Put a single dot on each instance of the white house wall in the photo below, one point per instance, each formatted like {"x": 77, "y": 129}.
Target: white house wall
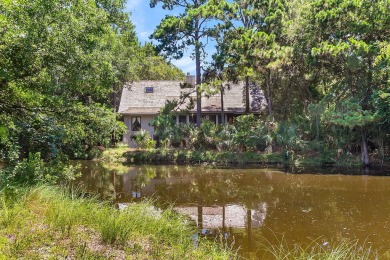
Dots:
{"x": 145, "y": 120}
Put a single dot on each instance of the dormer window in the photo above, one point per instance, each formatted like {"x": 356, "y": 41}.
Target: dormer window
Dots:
{"x": 149, "y": 90}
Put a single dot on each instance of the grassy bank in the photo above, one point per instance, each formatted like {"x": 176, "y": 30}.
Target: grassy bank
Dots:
{"x": 181, "y": 156}
{"x": 47, "y": 222}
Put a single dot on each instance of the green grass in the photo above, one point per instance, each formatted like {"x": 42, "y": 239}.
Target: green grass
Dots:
{"x": 351, "y": 250}
{"x": 50, "y": 222}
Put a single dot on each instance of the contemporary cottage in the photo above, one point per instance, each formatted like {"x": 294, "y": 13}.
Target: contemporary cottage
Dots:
{"x": 141, "y": 101}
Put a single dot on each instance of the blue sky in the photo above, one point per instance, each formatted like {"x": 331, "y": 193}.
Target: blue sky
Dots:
{"x": 146, "y": 20}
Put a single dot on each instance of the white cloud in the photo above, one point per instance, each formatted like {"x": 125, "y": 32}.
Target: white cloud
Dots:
{"x": 133, "y": 3}
{"x": 144, "y": 36}
{"x": 186, "y": 64}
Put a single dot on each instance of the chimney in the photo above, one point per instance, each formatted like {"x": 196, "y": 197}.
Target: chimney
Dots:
{"x": 190, "y": 79}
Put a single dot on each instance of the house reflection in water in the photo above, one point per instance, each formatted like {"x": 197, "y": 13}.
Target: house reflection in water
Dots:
{"x": 228, "y": 216}
{"x": 227, "y": 220}
{"x": 221, "y": 204}
{"x": 213, "y": 213}
{"x": 207, "y": 216}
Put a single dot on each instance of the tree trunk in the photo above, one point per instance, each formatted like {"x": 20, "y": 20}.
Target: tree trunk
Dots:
{"x": 200, "y": 217}
{"x": 114, "y": 107}
{"x": 114, "y": 98}
{"x": 317, "y": 128}
{"x": 198, "y": 75}
{"x": 287, "y": 105}
{"x": 247, "y": 107}
{"x": 269, "y": 96}
{"x": 222, "y": 108}
{"x": 365, "y": 156}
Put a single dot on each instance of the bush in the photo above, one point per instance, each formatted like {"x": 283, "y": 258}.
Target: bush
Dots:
{"x": 251, "y": 133}
{"x": 33, "y": 170}
{"x": 225, "y": 138}
{"x": 289, "y": 136}
{"x": 143, "y": 140}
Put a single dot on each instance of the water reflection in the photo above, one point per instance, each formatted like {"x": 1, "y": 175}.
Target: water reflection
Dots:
{"x": 222, "y": 220}
{"x": 250, "y": 206}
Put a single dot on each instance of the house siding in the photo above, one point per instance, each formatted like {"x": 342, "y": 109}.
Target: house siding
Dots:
{"x": 145, "y": 120}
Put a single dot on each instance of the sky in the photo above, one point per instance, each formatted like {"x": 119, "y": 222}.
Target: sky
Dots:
{"x": 146, "y": 20}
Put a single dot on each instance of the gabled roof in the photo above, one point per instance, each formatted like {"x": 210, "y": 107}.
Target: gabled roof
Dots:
{"x": 135, "y": 100}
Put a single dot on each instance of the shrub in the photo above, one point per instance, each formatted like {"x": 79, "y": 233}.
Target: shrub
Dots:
{"x": 143, "y": 140}
{"x": 251, "y": 133}
{"x": 33, "y": 170}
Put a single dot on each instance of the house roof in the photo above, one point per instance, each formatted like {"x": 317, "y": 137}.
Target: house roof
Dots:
{"x": 135, "y": 100}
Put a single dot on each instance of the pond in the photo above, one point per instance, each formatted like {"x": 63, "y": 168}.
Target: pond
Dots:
{"x": 252, "y": 207}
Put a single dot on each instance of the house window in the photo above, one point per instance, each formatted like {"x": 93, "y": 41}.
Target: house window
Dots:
{"x": 149, "y": 90}
{"x": 219, "y": 119}
{"x": 193, "y": 119}
{"x": 231, "y": 119}
{"x": 136, "y": 123}
{"x": 182, "y": 119}
{"x": 213, "y": 119}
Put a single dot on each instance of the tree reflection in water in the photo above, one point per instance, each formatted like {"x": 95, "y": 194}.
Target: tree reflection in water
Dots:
{"x": 250, "y": 206}
{"x": 221, "y": 204}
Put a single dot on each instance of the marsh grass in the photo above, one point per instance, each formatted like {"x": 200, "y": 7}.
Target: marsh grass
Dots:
{"x": 5, "y": 213}
{"x": 344, "y": 249}
{"x": 52, "y": 222}
{"x": 113, "y": 226}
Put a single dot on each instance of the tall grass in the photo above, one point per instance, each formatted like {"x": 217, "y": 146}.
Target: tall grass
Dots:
{"x": 113, "y": 226}
{"x": 344, "y": 249}
{"x": 58, "y": 223}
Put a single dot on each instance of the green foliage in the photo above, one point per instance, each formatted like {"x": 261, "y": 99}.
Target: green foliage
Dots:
{"x": 9, "y": 148}
{"x": 348, "y": 113}
{"x": 164, "y": 123}
{"x": 225, "y": 138}
{"x": 289, "y": 136}
{"x": 381, "y": 100}
{"x": 154, "y": 67}
{"x": 175, "y": 33}
{"x": 61, "y": 62}
{"x": 143, "y": 140}
{"x": 248, "y": 132}
{"x": 30, "y": 170}
{"x": 33, "y": 170}
{"x": 252, "y": 133}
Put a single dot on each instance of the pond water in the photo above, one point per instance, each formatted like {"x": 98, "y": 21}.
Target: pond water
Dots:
{"x": 251, "y": 207}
